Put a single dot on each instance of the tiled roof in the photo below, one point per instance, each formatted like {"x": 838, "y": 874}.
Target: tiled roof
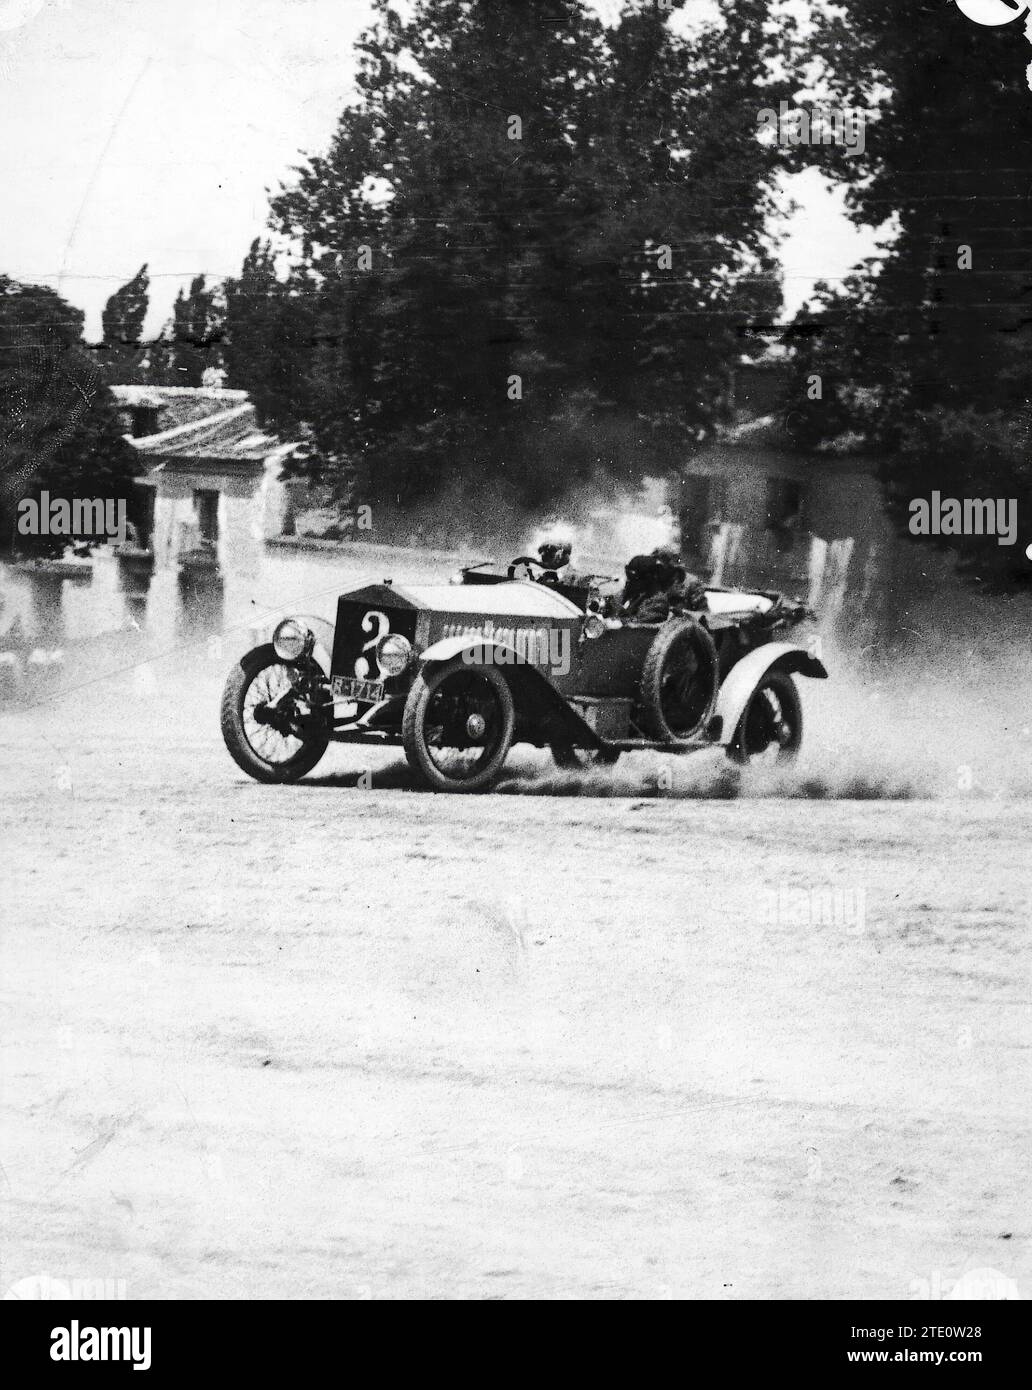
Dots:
{"x": 230, "y": 436}
{"x": 203, "y": 424}
{"x": 178, "y": 405}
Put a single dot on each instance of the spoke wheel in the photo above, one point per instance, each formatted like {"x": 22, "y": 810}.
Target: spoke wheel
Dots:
{"x": 260, "y": 720}
{"x": 771, "y": 729}
{"x": 457, "y": 727}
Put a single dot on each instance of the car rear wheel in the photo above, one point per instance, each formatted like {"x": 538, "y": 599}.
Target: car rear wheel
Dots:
{"x": 259, "y": 720}
{"x": 678, "y": 681}
{"x": 457, "y": 727}
{"x": 771, "y": 729}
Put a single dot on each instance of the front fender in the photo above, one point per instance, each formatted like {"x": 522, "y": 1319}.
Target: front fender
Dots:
{"x": 541, "y": 709}
{"x": 450, "y": 647}
{"x": 745, "y": 676}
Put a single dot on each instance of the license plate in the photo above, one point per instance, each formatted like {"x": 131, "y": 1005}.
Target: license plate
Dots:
{"x": 350, "y": 688}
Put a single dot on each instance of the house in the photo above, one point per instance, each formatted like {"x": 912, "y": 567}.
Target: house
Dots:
{"x": 209, "y": 489}
{"x": 755, "y": 511}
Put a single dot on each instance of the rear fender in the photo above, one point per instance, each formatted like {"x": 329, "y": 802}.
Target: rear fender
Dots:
{"x": 745, "y": 676}
{"x": 541, "y": 709}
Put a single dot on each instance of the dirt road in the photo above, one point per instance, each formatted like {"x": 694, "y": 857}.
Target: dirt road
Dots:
{"x": 324, "y": 1041}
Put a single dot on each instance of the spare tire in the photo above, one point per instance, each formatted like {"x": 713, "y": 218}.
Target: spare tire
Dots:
{"x": 678, "y": 682}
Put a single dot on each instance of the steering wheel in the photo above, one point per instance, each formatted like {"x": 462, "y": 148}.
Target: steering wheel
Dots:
{"x": 526, "y": 561}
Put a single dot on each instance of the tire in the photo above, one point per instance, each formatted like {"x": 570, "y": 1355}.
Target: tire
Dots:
{"x": 271, "y": 759}
{"x": 774, "y": 702}
{"x": 441, "y": 704}
{"x": 678, "y": 682}
{"x": 572, "y": 759}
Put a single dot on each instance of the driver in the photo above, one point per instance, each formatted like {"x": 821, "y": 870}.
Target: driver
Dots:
{"x": 555, "y": 557}
{"x": 658, "y": 587}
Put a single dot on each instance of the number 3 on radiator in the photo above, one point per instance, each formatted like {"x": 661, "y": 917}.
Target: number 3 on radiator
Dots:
{"x": 379, "y": 625}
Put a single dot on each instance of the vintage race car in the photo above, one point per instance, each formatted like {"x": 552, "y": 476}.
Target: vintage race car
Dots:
{"x": 457, "y": 673}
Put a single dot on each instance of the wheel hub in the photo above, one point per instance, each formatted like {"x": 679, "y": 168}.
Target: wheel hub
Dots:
{"x": 476, "y": 726}
{"x": 274, "y": 717}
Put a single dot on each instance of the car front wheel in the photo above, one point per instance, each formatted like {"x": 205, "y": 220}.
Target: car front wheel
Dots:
{"x": 261, "y": 720}
{"x": 457, "y": 727}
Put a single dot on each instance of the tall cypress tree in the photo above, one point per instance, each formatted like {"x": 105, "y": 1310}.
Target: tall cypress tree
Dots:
{"x": 193, "y": 341}
{"x": 122, "y": 321}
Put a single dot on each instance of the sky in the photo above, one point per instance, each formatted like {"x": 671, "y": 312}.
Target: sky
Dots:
{"x": 152, "y": 130}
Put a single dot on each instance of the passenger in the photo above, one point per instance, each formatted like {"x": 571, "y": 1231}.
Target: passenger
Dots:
{"x": 659, "y": 587}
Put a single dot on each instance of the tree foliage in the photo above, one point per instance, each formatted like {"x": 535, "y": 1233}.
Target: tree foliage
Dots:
{"x": 59, "y": 429}
{"x": 270, "y": 339}
{"x": 526, "y": 257}
{"x": 925, "y": 355}
{"x": 193, "y": 341}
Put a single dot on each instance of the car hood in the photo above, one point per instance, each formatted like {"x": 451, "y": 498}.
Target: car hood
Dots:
{"x": 517, "y": 598}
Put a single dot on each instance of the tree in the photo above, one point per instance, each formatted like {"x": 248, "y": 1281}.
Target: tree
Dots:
{"x": 526, "y": 259}
{"x": 270, "y": 333}
{"x": 925, "y": 356}
{"x": 122, "y": 320}
{"x": 59, "y": 429}
{"x": 193, "y": 341}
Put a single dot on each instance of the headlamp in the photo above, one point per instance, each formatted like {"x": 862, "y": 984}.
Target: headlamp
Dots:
{"x": 393, "y": 654}
{"x": 290, "y": 640}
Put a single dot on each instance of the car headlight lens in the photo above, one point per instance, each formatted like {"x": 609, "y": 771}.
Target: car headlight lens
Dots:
{"x": 393, "y": 654}
{"x": 290, "y": 639}
{"x": 594, "y": 625}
